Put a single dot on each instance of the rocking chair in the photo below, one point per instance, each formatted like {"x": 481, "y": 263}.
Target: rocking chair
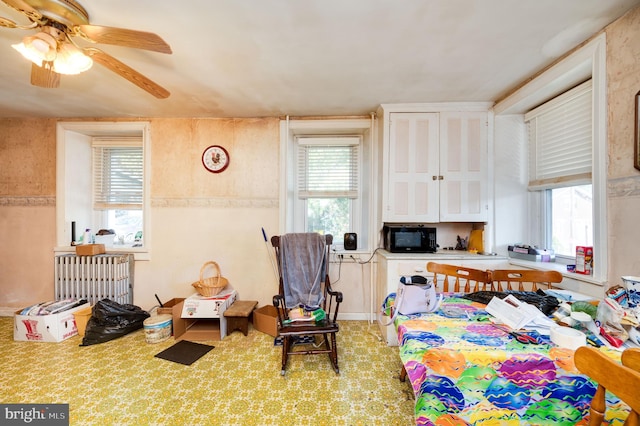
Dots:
{"x": 304, "y": 287}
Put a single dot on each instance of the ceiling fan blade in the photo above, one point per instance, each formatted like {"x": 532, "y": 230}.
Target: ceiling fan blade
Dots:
{"x": 23, "y": 7}
{"x": 8, "y": 23}
{"x": 44, "y": 76}
{"x": 127, "y": 72}
{"x": 123, "y": 37}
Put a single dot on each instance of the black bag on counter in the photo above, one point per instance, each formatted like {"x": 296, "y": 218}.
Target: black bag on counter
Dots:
{"x": 110, "y": 320}
{"x": 545, "y": 303}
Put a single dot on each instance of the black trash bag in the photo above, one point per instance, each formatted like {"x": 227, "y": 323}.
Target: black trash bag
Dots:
{"x": 110, "y": 320}
{"x": 545, "y": 303}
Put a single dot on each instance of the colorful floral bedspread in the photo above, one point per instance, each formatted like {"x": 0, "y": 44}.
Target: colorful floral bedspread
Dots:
{"x": 465, "y": 371}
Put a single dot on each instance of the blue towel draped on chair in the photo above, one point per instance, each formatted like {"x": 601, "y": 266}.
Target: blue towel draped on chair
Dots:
{"x": 303, "y": 268}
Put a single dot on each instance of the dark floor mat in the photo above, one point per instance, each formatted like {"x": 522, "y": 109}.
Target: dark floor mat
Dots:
{"x": 185, "y": 352}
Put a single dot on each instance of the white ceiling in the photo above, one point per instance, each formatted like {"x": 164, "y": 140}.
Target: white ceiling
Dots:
{"x": 256, "y": 58}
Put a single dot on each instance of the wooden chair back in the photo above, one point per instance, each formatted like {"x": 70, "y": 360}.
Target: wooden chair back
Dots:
{"x": 631, "y": 358}
{"x": 611, "y": 376}
{"x": 467, "y": 279}
{"x": 515, "y": 279}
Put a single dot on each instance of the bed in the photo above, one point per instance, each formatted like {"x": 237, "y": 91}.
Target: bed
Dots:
{"x": 463, "y": 370}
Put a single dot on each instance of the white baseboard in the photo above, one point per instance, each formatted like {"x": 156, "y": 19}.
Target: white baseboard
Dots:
{"x": 356, "y": 316}
{"x": 7, "y": 312}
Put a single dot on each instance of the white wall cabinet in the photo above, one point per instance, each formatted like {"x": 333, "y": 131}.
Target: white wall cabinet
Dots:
{"x": 463, "y": 167}
{"x": 434, "y": 165}
{"x": 413, "y": 161}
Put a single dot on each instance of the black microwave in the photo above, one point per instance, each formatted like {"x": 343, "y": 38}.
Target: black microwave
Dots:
{"x": 409, "y": 239}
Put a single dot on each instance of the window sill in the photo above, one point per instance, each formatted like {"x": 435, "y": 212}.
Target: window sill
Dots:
{"x": 562, "y": 268}
{"x": 139, "y": 253}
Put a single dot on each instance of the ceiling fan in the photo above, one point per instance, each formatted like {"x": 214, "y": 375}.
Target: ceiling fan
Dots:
{"x": 53, "y": 50}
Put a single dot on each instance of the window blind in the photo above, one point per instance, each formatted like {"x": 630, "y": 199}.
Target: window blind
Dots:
{"x": 328, "y": 167}
{"x": 560, "y": 140}
{"x": 118, "y": 173}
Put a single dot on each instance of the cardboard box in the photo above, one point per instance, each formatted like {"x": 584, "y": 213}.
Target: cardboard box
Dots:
{"x": 90, "y": 249}
{"x": 46, "y": 328}
{"x": 171, "y": 306}
{"x": 197, "y": 329}
{"x": 584, "y": 260}
{"x": 196, "y": 306}
{"x": 265, "y": 319}
{"x": 174, "y": 308}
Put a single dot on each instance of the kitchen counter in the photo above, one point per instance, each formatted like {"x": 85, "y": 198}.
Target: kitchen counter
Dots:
{"x": 440, "y": 255}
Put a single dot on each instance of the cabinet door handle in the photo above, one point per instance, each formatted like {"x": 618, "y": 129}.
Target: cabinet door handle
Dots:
{"x": 434, "y": 177}
{"x": 440, "y": 177}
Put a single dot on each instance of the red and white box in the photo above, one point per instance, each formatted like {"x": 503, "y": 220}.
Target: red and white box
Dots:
{"x": 46, "y": 328}
{"x": 197, "y": 306}
{"x": 584, "y": 260}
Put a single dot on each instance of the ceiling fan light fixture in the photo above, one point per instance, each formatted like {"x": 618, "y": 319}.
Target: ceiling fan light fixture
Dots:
{"x": 71, "y": 60}
{"x": 38, "y": 48}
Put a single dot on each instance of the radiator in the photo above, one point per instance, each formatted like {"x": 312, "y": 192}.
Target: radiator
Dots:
{"x": 103, "y": 276}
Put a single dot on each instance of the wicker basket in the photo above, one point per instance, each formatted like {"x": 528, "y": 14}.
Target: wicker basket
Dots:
{"x": 208, "y": 287}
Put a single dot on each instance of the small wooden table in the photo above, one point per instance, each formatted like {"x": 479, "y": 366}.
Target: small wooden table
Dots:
{"x": 238, "y": 314}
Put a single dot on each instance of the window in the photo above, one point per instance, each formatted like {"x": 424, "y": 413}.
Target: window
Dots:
{"x": 571, "y": 218}
{"x": 522, "y": 215}
{"x": 328, "y": 183}
{"x": 102, "y": 175}
{"x": 560, "y": 156}
{"x": 118, "y": 186}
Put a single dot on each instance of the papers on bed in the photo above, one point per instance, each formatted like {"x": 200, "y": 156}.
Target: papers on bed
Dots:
{"x": 517, "y": 314}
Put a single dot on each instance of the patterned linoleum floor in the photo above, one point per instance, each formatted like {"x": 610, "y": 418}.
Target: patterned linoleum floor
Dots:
{"x": 237, "y": 383}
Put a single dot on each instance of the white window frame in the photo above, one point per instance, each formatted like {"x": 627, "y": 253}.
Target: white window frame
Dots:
{"x": 293, "y": 209}
{"x": 74, "y": 177}
{"x": 557, "y": 157}
{"x": 301, "y": 198}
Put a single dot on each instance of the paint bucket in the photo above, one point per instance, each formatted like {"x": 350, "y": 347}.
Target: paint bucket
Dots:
{"x": 157, "y": 328}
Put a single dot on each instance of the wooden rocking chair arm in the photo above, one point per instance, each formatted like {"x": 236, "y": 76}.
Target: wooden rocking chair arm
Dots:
{"x": 278, "y": 302}
{"x": 332, "y": 304}
{"x": 336, "y": 294}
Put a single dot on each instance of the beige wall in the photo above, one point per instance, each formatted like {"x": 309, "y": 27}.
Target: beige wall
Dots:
{"x": 196, "y": 216}
{"x": 27, "y": 210}
{"x": 199, "y": 216}
{"x": 623, "y": 186}
{"x": 623, "y": 192}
